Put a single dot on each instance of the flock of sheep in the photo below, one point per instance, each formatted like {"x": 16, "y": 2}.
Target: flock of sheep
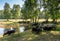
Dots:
{"x": 41, "y": 27}
{"x": 36, "y": 27}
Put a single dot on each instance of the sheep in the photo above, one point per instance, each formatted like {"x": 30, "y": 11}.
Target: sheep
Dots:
{"x": 9, "y": 32}
{"x": 34, "y": 24}
{"x": 37, "y": 29}
{"x": 49, "y": 28}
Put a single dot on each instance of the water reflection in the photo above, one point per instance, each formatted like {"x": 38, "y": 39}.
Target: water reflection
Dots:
{"x": 22, "y": 29}
{"x": 2, "y": 29}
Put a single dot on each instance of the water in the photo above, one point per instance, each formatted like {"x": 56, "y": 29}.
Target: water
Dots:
{"x": 22, "y": 29}
{"x": 2, "y": 29}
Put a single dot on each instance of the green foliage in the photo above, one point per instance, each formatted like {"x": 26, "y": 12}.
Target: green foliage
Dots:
{"x": 7, "y": 13}
{"x": 25, "y": 14}
{"x": 52, "y": 7}
{"x": 30, "y": 9}
{"x": 15, "y": 11}
{"x": 1, "y": 14}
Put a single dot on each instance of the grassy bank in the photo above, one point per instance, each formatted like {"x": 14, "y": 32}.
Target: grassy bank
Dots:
{"x": 29, "y": 36}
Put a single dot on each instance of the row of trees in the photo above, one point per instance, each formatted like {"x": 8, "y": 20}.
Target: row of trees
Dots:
{"x": 32, "y": 9}
{"x": 52, "y": 7}
{"x": 9, "y": 13}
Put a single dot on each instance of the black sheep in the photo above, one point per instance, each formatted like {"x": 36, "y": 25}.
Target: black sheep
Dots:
{"x": 48, "y": 28}
{"x": 37, "y": 29}
{"x": 33, "y": 29}
{"x": 34, "y": 24}
{"x": 9, "y": 32}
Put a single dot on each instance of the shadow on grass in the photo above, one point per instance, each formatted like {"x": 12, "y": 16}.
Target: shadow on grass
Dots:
{"x": 48, "y": 36}
{"x": 29, "y": 36}
{"x": 11, "y": 37}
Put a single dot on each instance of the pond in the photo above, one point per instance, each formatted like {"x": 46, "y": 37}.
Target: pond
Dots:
{"x": 2, "y": 29}
{"x": 22, "y": 29}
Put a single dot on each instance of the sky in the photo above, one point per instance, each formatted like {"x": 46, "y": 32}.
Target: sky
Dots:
{"x": 11, "y": 3}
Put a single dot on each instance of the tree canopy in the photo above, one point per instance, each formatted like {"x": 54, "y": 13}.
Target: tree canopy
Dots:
{"x": 7, "y": 13}
{"x": 32, "y": 10}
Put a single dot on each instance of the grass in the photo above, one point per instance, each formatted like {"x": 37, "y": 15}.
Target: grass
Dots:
{"x": 58, "y": 28}
{"x": 29, "y": 36}
{"x": 7, "y": 22}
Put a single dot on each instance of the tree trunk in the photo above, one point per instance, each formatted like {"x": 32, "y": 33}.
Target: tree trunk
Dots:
{"x": 53, "y": 20}
{"x": 7, "y": 19}
{"x": 46, "y": 20}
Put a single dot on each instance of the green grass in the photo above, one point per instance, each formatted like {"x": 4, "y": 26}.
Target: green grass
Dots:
{"x": 58, "y": 28}
{"x": 29, "y": 36}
